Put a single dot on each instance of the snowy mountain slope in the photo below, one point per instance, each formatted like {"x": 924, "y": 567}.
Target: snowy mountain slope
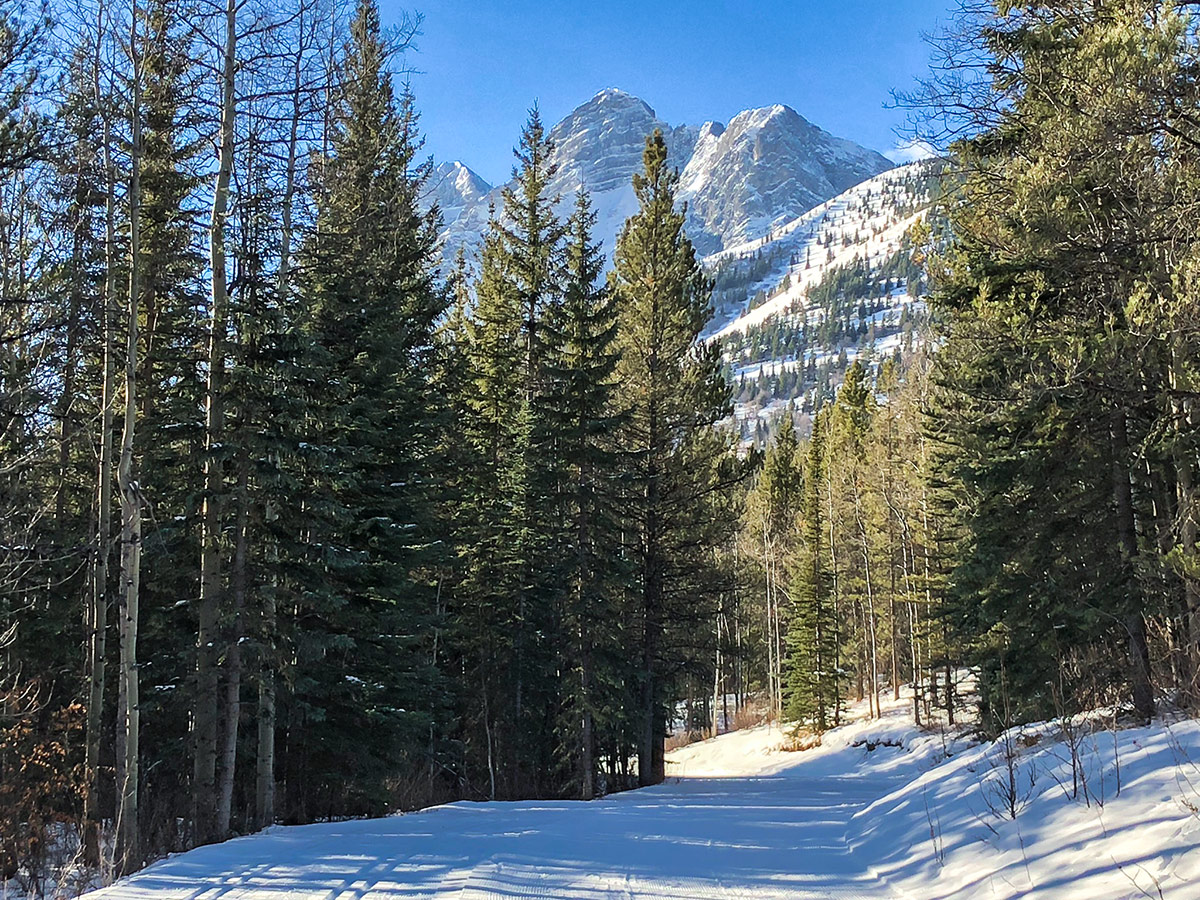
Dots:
{"x": 768, "y": 167}
{"x": 794, "y": 308}
{"x": 868, "y": 221}
{"x": 919, "y": 817}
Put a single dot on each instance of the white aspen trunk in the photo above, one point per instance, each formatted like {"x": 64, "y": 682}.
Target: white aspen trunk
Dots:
{"x": 233, "y": 661}
{"x": 98, "y": 613}
{"x": 835, "y": 590}
{"x": 869, "y": 619}
{"x": 908, "y": 561}
{"x": 128, "y": 850}
{"x": 893, "y": 620}
{"x": 770, "y": 629}
{"x": 1186, "y": 497}
{"x": 716, "y": 707}
{"x": 205, "y": 714}
{"x": 893, "y": 520}
{"x": 928, "y": 569}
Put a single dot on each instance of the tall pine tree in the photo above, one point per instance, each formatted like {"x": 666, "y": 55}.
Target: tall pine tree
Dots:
{"x": 812, "y": 683}
{"x": 584, "y": 416}
{"x": 679, "y": 461}
{"x": 364, "y": 686}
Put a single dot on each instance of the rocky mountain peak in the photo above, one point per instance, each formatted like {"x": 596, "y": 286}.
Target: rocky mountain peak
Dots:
{"x": 599, "y": 144}
{"x": 455, "y": 189}
{"x": 768, "y": 166}
{"x": 753, "y": 175}
{"x": 615, "y": 101}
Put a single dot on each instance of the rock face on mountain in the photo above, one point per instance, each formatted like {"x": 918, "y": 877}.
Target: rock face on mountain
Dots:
{"x": 766, "y": 168}
{"x": 762, "y": 170}
{"x": 455, "y": 189}
{"x": 599, "y": 145}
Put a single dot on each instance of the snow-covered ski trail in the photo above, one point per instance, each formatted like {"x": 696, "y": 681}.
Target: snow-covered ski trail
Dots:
{"x": 881, "y": 811}
{"x": 776, "y": 835}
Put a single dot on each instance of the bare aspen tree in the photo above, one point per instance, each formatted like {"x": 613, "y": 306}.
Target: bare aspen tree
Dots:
{"x": 209, "y": 606}
{"x": 299, "y": 103}
{"x": 128, "y": 851}
{"x": 233, "y": 659}
{"x": 210, "y": 811}
{"x": 99, "y": 604}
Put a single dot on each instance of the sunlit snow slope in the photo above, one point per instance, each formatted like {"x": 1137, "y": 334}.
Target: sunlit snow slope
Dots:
{"x": 796, "y": 307}
{"x": 869, "y": 222}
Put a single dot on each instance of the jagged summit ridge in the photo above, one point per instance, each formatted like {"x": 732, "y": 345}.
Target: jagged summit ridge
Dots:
{"x": 599, "y": 144}
{"x": 455, "y": 189}
{"x": 767, "y": 167}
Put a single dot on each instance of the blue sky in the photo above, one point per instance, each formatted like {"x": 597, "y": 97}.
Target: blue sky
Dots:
{"x": 482, "y": 63}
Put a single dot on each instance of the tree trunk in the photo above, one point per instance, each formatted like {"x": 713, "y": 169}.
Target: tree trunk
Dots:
{"x": 869, "y": 617}
{"x": 1186, "y": 499}
{"x": 768, "y": 579}
{"x": 587, "y": 735}
{"x": 264, "y": 768}
{"x": 651, "y": 766}
{"x": 98, "y": 614}
{"x": 207, "y": 677}
{"x": 233, "y": 659}
{"x": 834, "y": 593}
{"x": 948, "y": 672}
{"x": 128, "y": 850}
{"x": 716, "y": 706}
{"x": 1191, "y": 586}
{"x": 1135, "y": 624}
{"x": 894, "y": 624}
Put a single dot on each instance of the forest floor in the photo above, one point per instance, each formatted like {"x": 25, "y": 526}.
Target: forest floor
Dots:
{"x": 923, "y": 815}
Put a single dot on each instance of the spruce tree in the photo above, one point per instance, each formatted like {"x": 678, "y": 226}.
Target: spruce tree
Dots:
{"x": 510, "y": 584}
{"x": 363, "y": 683}
{"x": 583, "y": 415}
{"x": 169, "y": 451}
{"x": 680, "y": 465}
{"x": 812, "y": 688}
{"x": 1068, "y": 255}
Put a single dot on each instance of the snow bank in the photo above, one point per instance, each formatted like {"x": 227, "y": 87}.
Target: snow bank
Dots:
{"x": 749, "y": 752}
{"x": 1117, "y": 817}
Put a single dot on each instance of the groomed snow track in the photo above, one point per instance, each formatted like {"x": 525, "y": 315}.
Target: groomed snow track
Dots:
{"x": 771, "y": 836}
{"x": 881, "y": 811}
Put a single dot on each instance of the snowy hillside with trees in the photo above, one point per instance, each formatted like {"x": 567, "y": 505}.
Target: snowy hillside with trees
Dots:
{"x": 793, "y": 309}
